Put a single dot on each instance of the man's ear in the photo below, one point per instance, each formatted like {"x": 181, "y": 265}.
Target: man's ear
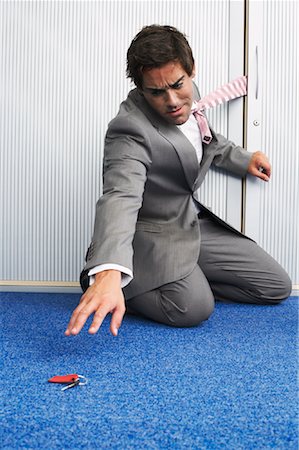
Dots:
{"x": 193, "y": 72}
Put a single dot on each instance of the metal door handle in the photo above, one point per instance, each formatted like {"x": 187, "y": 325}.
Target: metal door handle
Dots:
{"x": 257, "y": 73}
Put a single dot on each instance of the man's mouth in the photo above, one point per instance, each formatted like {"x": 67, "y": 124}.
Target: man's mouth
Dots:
{"x": 175, "y": 112}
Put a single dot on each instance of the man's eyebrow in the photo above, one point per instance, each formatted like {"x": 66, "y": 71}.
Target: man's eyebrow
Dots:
{"x": 156, "y": 89}
{"x": 177, "y": 82}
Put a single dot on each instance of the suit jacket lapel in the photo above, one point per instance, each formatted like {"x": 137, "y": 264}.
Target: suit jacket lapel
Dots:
{"x": 209, "y": 151}
{"x": 206, "y": 161}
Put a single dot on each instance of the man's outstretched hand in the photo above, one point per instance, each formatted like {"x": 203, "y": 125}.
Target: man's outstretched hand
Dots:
{"x": 259, "y": 166}
{"x": 101, "y": 298}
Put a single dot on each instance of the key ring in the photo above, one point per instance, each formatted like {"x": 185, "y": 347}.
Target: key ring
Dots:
{"x": 82, "y": 383}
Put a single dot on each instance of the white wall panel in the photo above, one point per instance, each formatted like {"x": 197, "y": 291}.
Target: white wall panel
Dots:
{"x": 62, "y": 69}
{"x": 272, "y": 209}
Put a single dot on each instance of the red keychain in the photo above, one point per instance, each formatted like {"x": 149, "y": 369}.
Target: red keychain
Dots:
{"x": 70, "y": 380}
{"x": 64, "y": 379}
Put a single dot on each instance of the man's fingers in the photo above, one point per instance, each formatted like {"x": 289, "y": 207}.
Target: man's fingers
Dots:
{"x": 84, "y": 310}
{"x": 73, "y": 318}
{"x": 79, "y": 316}
{"x": 98, "y": 318}
{"x": 116, "y": 320}
{"x": 259, "y": 166}
{"x": 80, "y": 321}
{"x": 71, "y": 323}
{"x": 262, "y": 173}
{"x": 265, "y": 169}
{"x": 77, "y": 322}
{"x": 104, "y": 296}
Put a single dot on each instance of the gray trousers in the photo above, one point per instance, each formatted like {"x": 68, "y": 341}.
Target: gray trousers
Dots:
{"x": 230, "y": 268}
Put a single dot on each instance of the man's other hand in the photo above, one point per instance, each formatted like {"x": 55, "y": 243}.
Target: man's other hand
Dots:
{"x": 259, "y": 166}
{"x": 101, "y": 298}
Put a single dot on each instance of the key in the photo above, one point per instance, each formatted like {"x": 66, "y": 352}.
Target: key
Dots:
{"x": 71, "y": 385}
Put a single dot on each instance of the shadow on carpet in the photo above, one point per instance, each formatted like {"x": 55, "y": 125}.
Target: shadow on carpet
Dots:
{"x": 227, "y": 384}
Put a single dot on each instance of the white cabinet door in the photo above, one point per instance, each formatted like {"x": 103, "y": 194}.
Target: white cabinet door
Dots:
{"x": 224, "y": 47}
{"x": 271, "y": 209}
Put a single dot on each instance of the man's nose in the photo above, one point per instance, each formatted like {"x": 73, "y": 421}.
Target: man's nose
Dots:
{"x": 171, "y": 99}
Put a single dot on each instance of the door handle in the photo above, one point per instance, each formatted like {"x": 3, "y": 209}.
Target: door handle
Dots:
{"x": 257, "y": 73}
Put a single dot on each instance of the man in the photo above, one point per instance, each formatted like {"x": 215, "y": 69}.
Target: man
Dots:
{"x": 155, "y": 248}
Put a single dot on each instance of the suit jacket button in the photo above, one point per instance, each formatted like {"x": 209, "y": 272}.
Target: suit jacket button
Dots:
{"x": 193, "y": 223}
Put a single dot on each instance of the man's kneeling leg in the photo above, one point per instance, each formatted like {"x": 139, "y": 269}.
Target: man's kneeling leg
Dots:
{"x": 183, "y": 303}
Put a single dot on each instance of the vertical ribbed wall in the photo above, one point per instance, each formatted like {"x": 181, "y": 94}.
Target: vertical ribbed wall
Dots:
{"x": 272, "y": 208}
{"x": 62, "y": 68}
{"x": 279, "y": 230}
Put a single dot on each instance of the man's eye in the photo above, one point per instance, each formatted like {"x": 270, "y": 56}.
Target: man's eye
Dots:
{"x": 178, "y": 86}
{"x": 156, "y": 93}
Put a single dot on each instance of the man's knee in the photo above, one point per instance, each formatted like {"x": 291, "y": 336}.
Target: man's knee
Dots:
{"x": 278, "y": 291}
{"x": 187, "y": 311}
{"x": 183, "y": 303}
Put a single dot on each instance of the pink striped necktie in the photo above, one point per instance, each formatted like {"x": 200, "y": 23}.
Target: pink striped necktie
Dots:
{"x": 234, "y": 89}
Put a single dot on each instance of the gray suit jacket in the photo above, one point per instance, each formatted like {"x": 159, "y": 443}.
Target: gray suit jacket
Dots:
{"x": 145, "y": 219}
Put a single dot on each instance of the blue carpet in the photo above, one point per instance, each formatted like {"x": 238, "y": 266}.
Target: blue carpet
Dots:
{"x": 227, "y": 384}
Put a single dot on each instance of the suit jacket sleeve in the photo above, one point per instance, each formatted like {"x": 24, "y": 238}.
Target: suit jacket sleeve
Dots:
{"x": 229, "y": 156}
{"x": 126, "y": 162}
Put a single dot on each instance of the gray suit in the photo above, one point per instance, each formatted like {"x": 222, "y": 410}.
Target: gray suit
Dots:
{"x": 146, "y": 219}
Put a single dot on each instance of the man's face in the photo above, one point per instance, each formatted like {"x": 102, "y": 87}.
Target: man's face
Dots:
{"x": 169, "y": 91}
